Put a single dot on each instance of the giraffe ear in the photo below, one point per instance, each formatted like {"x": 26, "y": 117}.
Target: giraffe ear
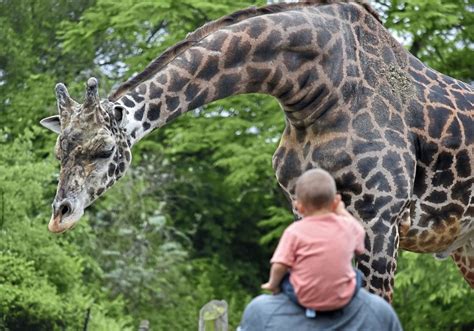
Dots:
{"x": 52, "y": 123}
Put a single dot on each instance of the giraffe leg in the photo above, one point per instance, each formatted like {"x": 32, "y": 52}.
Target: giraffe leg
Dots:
{"x": 464, "y": 258}
{"x": 379, "y": 262}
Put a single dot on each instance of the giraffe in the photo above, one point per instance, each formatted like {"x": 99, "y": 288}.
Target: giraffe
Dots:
{"x": 397, "y": 136}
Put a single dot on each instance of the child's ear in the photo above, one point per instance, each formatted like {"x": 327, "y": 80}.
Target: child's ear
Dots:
{"x": 337, "y": 200}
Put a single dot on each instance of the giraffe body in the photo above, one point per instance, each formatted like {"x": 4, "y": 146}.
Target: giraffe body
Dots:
{"x": 396, "y": 135}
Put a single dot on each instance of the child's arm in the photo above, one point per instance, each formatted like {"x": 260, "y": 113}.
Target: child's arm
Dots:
{"x": 277, "y": 272}
{"x": 359, "y": 230}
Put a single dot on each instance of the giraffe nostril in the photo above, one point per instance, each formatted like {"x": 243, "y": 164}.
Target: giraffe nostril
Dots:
{"x": 65, "y": 209}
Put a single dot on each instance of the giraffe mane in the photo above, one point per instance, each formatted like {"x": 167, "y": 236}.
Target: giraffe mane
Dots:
{"x": 194, "y": 37}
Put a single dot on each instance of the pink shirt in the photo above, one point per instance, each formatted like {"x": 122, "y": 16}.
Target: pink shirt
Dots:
{"x": 319, "y": 250}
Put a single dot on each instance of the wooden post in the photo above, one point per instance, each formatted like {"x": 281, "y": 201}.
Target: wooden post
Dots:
{"x": 144, "y": 325}
{"x": 86, "y": 319}
{"x": 213, "y": 316}
{"x": 3, "y": 209}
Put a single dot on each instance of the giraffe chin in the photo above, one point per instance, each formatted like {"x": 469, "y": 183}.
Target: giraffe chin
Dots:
{"x": 57, "y": 225}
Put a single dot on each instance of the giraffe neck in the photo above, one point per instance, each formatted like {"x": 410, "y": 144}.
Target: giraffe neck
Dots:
{"x": 301, "y": 57}
{"x": 254, "y": 56}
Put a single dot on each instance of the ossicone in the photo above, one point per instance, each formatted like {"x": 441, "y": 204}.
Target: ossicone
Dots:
{"x": 62, "y": 95}
{"x": 92, "y": 92}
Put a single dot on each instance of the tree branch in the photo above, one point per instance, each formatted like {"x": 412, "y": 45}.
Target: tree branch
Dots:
{"x": 155, "y": 30}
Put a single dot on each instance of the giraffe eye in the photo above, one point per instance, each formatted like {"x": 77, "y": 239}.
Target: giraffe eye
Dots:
{"x": 104, "y": 154}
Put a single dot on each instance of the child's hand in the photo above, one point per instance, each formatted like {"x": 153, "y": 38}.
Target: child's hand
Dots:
{"x": 340, "y": 208}
{"x": 269, "y": 287}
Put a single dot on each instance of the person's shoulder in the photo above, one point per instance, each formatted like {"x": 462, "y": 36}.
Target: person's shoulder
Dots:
{"x": 380, "y": 310}
{"x": 374, "y": 301}
{"x": 261, "y": 309}
{"x": 266, "y": 304}
{"x": 255, "y": 314}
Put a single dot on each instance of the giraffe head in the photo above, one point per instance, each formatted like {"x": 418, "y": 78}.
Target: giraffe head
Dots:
{"x": 93, "y": 149}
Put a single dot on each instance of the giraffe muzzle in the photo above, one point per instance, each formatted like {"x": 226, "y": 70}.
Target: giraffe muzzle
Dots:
{"x": 64, "y": 217}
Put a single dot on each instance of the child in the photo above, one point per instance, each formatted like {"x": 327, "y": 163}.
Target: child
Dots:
{"x": 318, "y": 249}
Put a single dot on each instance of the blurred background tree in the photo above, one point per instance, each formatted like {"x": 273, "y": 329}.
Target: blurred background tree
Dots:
{"x": 200, "y": 212}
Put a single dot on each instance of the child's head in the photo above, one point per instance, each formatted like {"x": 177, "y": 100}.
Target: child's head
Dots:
{"x": 316, "y": 191}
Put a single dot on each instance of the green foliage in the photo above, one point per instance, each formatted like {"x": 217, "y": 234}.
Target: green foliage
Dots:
{"x": 135, "y": 32}
{"x": 430, "y": 294}
{"x": 30, "y": 58}
{"x": 199, "y": 214}
{"x": 279, "y": 219}
{"x": 202, "y": 281}
{"x": 21, "y": 192}
{"x": 41, "y": 276}
{"x": 146, "y": 260}
{"x": 439, "y": 32}
{"x": 27, "y": 297}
